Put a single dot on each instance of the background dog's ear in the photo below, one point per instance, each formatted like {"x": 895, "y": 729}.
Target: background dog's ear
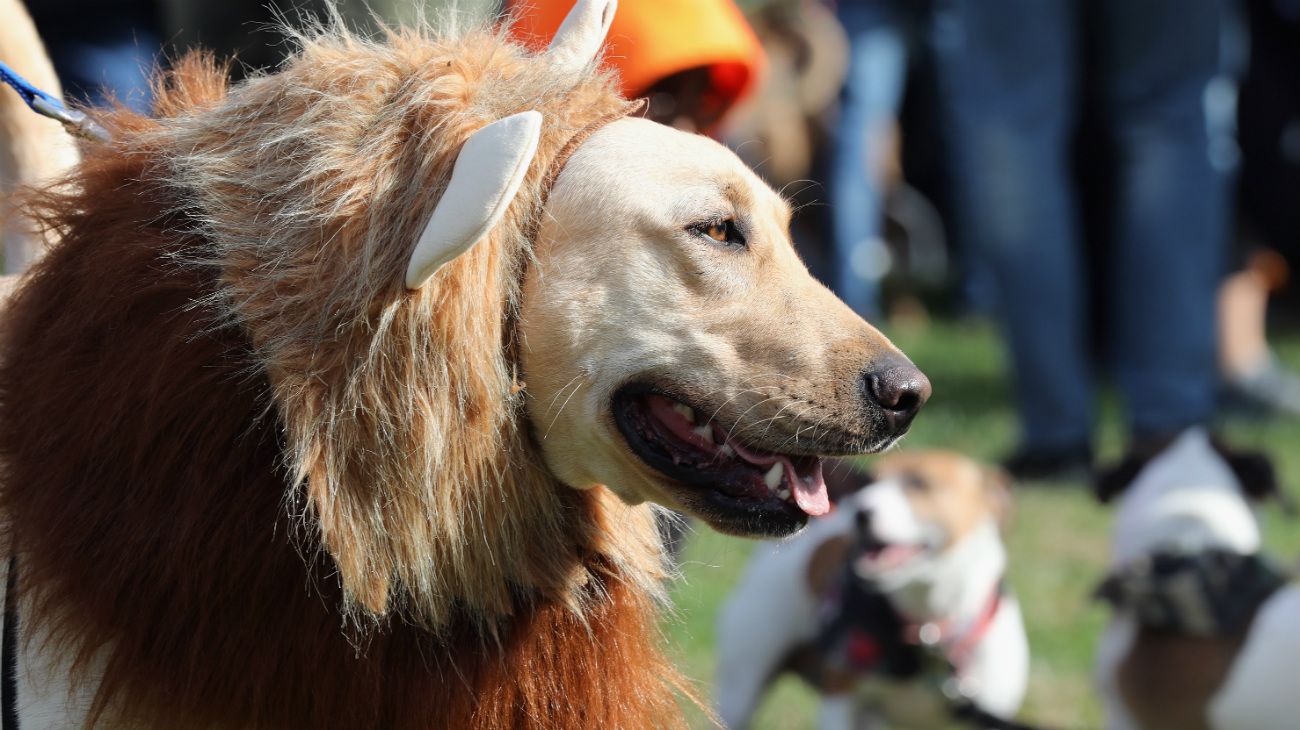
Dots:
{"x": 997, "y": 487}
{"x": 1256, "y": 475}
{"x": 1112, "y": 481}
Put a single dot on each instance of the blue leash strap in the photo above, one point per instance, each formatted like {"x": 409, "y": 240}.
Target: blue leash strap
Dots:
{"x": 76, "y": 122}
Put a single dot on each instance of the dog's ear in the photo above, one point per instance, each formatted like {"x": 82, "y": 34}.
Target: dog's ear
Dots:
{"x": 1256, "y": 475}
{"x": 1111, "y": 482}
{"x": 1108, "y": 483}
{"x": 997, "y": 487}
{"x": 487, "y": 174}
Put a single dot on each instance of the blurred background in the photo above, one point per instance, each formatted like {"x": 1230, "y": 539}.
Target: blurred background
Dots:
{"x": 1078, "y": 217}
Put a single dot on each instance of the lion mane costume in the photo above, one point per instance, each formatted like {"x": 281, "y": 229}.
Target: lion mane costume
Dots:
{"x": 264, "y": 467}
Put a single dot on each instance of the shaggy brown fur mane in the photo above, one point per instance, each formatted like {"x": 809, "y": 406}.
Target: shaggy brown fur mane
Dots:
{"x": 230, "y": 433}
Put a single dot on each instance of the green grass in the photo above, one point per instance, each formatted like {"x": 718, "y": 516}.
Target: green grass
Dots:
{"x": 1057, "y": 541}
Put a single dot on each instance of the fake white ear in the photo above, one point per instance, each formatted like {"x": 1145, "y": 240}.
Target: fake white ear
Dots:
{"x": 484, "y": 180}
{"x": 578, "y": 40}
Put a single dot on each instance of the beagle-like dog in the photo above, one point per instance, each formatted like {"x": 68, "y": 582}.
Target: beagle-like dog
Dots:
{"x": 899, "y": 589}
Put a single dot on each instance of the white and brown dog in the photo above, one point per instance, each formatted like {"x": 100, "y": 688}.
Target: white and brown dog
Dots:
{"x": 1205, "y": 634}
{"x": 924, "y": 538}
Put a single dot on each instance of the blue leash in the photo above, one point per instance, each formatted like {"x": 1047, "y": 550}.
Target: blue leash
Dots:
{"x": 76, "y": 122}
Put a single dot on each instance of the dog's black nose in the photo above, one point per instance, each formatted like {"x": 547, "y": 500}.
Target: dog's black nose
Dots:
{"x": 867, "y": 539}
{"x": 899, "y": 389}
{"x": 862, "y": 519}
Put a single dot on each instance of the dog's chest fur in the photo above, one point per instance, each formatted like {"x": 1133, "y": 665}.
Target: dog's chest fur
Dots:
{"x": 1243, "y": 682}
{"x": 1167, "y": 681}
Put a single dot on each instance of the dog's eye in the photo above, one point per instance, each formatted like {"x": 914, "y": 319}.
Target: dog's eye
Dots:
{"x": 915, "y": 482}
{"x": 724, "y": 231}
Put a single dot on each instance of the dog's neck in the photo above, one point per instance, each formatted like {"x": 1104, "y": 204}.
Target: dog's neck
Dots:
{"x": 955, "y": 587}
{"x": 1185, "y": 500}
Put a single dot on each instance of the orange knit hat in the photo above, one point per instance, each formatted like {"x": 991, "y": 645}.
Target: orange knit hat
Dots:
{"x": 653, "y": 39}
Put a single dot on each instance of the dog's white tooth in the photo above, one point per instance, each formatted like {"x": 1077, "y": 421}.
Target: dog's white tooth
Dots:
{"x": 726, "y": 449}
{"x": 687, "y": 412}
{"x": 783, "y": 493}
{"x": 773, "y": 476}
{"x": 705, "y": 432}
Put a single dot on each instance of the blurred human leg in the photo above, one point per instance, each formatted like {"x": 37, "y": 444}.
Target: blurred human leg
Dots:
{"x": 1158, "y": 59}
{"x": 873, "y": 89}
{"x": 1009, "y": 70}
{"x": 1255, "y": 382}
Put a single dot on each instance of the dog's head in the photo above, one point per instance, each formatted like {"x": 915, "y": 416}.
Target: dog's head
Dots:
{"x": 926, "y": 519}
{"x": 1188, "y": 493}
{"x": 676, "y": 349}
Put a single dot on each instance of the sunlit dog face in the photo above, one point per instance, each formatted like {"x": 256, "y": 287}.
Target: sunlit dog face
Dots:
{"x": 923, "y": 506}
{"x": 676, "y": 349}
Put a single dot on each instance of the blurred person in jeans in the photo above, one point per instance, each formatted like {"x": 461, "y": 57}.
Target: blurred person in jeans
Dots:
{"x": 1256, "y": 382}
{"x": 882, "y": 35}
{"x": 1014, "y": 75}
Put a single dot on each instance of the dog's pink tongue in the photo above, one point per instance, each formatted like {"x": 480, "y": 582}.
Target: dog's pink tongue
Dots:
{"x": 809, "y": 486}
{"x": 810, "y": 491}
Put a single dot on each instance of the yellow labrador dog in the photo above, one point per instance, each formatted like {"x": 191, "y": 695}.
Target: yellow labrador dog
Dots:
{"x": 678, "y": 350}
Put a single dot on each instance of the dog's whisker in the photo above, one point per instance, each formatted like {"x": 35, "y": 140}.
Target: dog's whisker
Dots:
{"x": 817, "y": 426}
{"x": 725, "y": 403}
{"x": 794, "y": 438}
{"x": 577, "y": 386}
{"x": 772, "y": 419}
{"x": 561, "y": 390}
{"x": 740, "y": 419}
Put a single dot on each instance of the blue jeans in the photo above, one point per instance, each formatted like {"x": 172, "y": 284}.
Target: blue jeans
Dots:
{"x": 880, "y": 34}
{"x": 1012, "y": 71}
{"x": 99, "y": 72}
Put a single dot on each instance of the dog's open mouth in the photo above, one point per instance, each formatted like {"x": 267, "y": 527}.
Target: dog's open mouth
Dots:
{"x": 769, "y": 492}
{"x": 874, "y": 555}
{"x": 882, "y": 556}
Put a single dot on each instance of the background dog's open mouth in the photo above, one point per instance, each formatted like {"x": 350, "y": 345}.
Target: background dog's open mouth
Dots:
{"x": 887, "y": 556}
{"x": 687, "y": 446}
